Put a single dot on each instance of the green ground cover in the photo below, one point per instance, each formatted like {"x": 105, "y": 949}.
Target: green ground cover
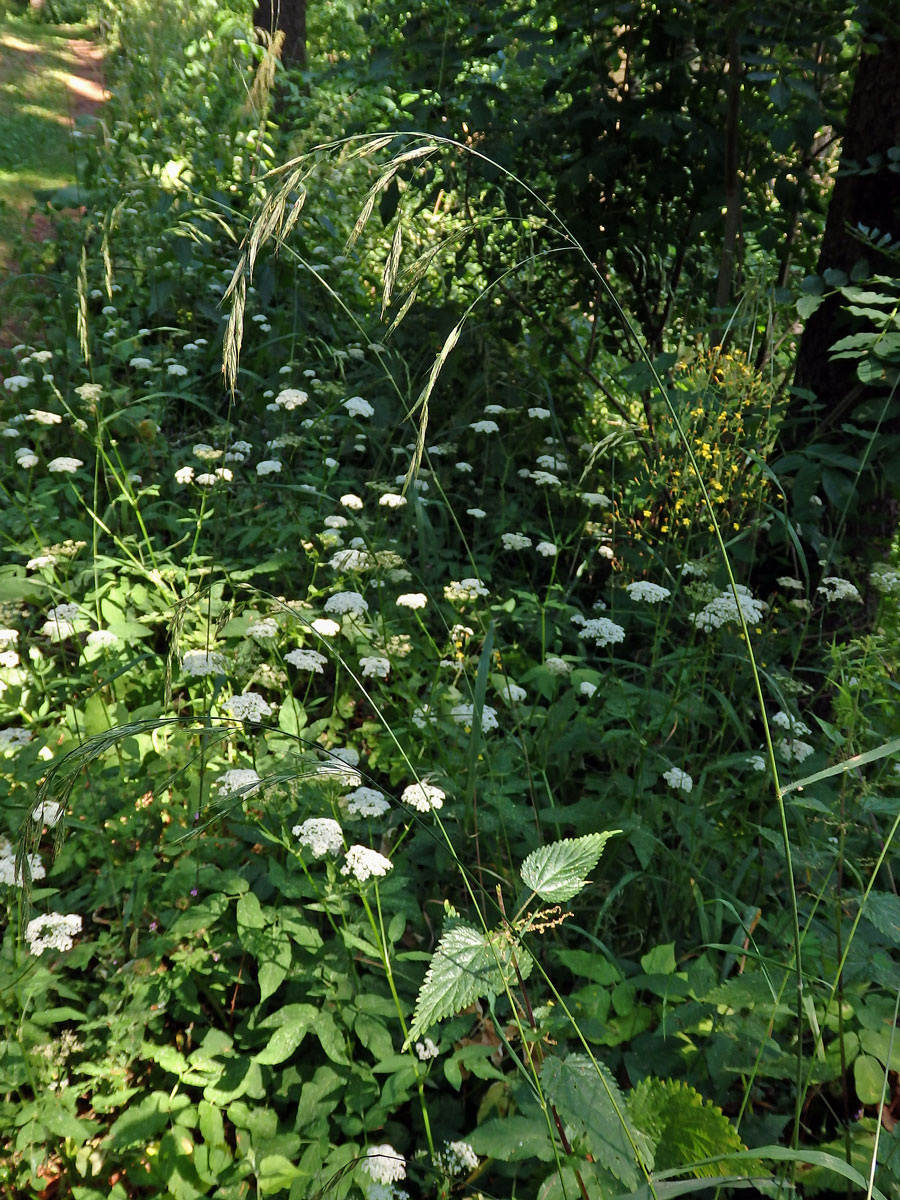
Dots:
{"x": 498, "y": 805}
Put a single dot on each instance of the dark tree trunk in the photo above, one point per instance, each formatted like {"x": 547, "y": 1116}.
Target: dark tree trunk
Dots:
{"x": 871, "y": 199}
{"x": 290, "y": 17}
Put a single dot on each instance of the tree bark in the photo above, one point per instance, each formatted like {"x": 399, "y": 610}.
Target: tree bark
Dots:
{"x": 290, "y": 17}
{"x": 873, "y": 125}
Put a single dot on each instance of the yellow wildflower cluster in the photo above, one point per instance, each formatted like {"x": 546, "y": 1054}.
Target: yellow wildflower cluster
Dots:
{"x": 728, "y": 412}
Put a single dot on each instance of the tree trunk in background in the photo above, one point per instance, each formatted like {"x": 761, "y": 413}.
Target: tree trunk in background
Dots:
{"x": 290, "y": 17}
{"x": 873, "y": 200}
{"x": 872, "y": 126}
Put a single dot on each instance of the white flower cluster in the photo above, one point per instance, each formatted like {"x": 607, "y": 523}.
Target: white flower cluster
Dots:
{"x": 363, "y": 863}
{"x": 12, "y": 738}
{"x": 306, "y": 660}
{"x": 365, "y": 802}
{"x": 356, "y": 406}
{"x": 52, "y": 931}
{"x": 556, "y": 665}
{"x": 60, "y": 623}
{"x": 462, "y": 714}
{"x": 423, "y": 797}
{"x": 457, "y": 1158}
{"x": 886, "y": 579}
{"x": 678, "y": 779}
{"x": 347, "y": 602}
{"x": 792, "y": 724}
{"x": 239, "y": 779}
{"x": 203, "y": 662}
{"x": 834, "y": 588}
{"x": 411, "y": 600}
{"x": 384, "y": 1165}
{"x": 248, "y": 706}
{"x": 511, "y": 692}
{"x": 485, "y": 427}
{"x": 647, "y": 593}
{"x": 265, "y": 628}
{"x": 372, "y": 666}
{"x": 290, "y": 398}
{"x": 723, "y": 609}
{"x": 462, "y": 590}
{"x": 8, "y": 873}
{"x": 320, "y": 836}
{"x": 792, "y": 750}
{"x": 602, "y": 631}
{"x": 47, "y": 812}
{"x": 426, "y": 1049}
{"x": 515, "y": 541}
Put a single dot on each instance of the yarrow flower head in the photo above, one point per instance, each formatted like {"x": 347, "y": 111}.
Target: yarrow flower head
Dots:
{"x": 423, "y": 797}
{"x": 834, "y": 588}
{"x": 485, "y": 427}
{"x": 596, "y": 498}
{"x": 48, "y": 813}
{"x": 356, "y": 406}
{"x": 268, "y": 466}
{"x": 347, "y": 602}
{"x": 794, "y": 725}
{"x": 602, "y": 631}
{"x": 678, "y": 780}
{"x": 383, "y": 1164}
{"x": 411, "y": 600}
{"x": 265, "y": 628}
{"x": 374, "y": 667}
{"x": 515, "y": 541}
{"x": 291, "y": 398}
{"x": 248, "y": 706}
{"x": 556, "y": 665}
{"x": 457, "y": 1158}
{"x": 365, "y": 802}
{"x": 463, "y": 590}
{"x": 52, "y": 931}
{"x": 646, "y": 592}
{"x": 104, "y": 638}
{"x": 307, "y": 660}
{"x": 793, "y": 750}
{"x": 547, "y": 549}
{"x": 239, "y": 779}
{"x": 351, "y": 501}
{"x": 320, "y": 836}
{"x": 64, "y": 465}
{"x": 203, "y": 662}
{"x": 363, "y": 863}
{"x": 724, "y": 609}
{"x": 426, "y": 1049}
{"x": 8, "y": 873}
{"x": 463, "y": 714}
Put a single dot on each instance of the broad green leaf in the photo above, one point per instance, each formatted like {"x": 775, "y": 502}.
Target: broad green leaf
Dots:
{"x": 511, "y": 1139}
{"x": 466, "y": 965}
{"x": 868, "y": 1078}
{"x": 589, "y": 1102}
{"x": 282, "y": 1044}
{"x": 556, "y": 872}
{"x": 807, "y": 305}
{"x": 683, "y": 1126}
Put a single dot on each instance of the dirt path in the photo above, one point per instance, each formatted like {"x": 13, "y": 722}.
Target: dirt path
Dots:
{"x": 47, "y": 81}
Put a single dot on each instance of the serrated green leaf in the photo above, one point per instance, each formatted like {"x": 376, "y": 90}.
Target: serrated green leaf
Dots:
{"x": 589, "y": 1102}
{"x": 556, "y": 872}
{"x": 683, "y": 1126}
{"x": 883, "y": 911}
{"x": 466, "y": 965}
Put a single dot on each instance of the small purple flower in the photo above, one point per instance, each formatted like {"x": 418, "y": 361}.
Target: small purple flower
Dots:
{"x": 153, "y": 926}
{"x": 193, "y": 891}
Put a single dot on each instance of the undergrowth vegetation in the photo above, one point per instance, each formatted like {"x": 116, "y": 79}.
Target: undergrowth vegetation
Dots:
{"x": 428, "y": 769}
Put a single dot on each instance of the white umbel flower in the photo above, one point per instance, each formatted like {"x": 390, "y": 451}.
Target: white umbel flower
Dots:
{"x": 834, "y": 588}
{"x": 239, "y": 779}
{"x": 374, "y": 667}
{"x": 646, "y": 592}
{"x": 320, "y": 836}
{"x": 363, "y": 863}
{"x": 203, "y": 662}
{"x": 64, "y": 465}
{"x": 423, "y": 797}
{"x": 347, "y": 602}
{"x": 48, "y": 813}
{"x": 463, "y": 714}
{"x": 412, "y": 600}
{"x": 365, "y": 802}
{"x": 52, "y": 931}
{"x": 678, "y": 779}
{"x": 248, "y": 706}
{"x": 307, "y": 660}
{"x": 383, "y": 1164}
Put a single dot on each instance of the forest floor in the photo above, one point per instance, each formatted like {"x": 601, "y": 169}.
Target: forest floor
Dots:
{"x": 49, "y": 78}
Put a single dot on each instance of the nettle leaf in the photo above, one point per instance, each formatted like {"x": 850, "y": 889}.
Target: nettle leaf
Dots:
{"x": 512, "y": 1139}
{"x": 556, "y": 872}
{"x": 883, "y": 911}
{"x": 590, "y": 1104}
{"x": 683, "y": 1126}
{"x": 466, "y": 965}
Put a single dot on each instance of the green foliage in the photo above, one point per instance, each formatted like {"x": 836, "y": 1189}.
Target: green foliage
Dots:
{"x": 318, "y": 717}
